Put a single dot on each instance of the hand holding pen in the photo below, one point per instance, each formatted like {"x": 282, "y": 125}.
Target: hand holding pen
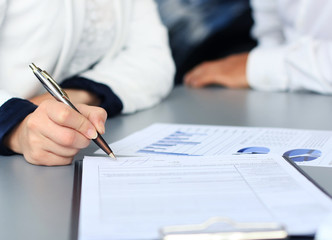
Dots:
{"x": 59, "y": 94}
{"x": 54, "y": 133}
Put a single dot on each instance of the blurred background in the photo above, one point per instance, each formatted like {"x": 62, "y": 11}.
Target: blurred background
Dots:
{"x": 202, "y": 30}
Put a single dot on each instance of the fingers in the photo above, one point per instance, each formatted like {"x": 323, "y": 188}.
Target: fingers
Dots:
{"x": 200, "y": 76}
{"x": 64, "y": 136}
{"x": 45, "y": 158}
{"x": 40, "y": 150}
{"x": 191, "y": 76}
{"x": 96, "y": 115}
{"x": 72, "y": 129}
{"x": 228, "y": 72}
{"x": 65, "y": 116}
{"x": 54, "y": 133}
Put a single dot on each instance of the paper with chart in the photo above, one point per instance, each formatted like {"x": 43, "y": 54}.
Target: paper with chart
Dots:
{"x": 132, "y": 198}
{"x": 305, "y": 147}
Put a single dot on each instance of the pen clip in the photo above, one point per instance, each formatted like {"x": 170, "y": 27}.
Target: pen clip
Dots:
{"x": 49, "y": 83}
{"x": 54, "y": 84}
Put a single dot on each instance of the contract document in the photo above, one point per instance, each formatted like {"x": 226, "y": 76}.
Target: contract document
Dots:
{"x": 304, "y": 147}
{"x": 132, "y": 198}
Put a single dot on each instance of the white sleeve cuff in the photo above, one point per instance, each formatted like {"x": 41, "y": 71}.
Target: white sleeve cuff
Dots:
{"x": 266, "y": 69}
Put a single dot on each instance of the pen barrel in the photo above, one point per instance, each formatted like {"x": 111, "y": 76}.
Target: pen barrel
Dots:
{"x": 102, "y": 144}
{"x": 67, "y": 102}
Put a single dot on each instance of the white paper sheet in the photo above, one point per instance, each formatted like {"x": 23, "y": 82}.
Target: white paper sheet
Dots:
{"x": 132, "y": 198}
{"x": 305, "y": 147}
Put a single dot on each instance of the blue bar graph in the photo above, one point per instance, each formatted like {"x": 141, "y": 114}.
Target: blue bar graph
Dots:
{"x": 176, "y": 143}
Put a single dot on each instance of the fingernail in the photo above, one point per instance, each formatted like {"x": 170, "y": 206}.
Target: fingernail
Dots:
{"x": 101, "y": 127}
{"x": 92, "y": 133}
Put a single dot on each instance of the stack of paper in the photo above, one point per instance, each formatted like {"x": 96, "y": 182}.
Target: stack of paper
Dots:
{"x": 182, "y": 176}
{"x": 304, "y": 147}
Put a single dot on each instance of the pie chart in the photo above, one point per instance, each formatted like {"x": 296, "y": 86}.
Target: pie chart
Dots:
{"x": 254, "y": 150}
{"x": 302, "y": 155}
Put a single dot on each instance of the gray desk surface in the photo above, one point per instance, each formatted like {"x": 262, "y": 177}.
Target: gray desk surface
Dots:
{"x": 35, "y": 202}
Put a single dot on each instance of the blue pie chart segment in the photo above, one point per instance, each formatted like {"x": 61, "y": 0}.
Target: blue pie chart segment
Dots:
{"x": 302, "y": 155}
{"x": 254, "y": 150}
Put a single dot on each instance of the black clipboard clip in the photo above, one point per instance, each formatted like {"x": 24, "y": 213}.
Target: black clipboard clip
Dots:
{"x": 219, "y": 228}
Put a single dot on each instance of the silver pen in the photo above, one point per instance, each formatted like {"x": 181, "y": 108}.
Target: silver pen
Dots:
{"x": 59, "y": 94}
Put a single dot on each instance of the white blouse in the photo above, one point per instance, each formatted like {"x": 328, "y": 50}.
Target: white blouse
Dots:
{"x": 295, "y": 46}
{"x": 125, "y": 37}
{"x": 97, "y": 35}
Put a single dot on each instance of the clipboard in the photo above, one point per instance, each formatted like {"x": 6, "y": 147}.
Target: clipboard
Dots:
{"x": 230, "y": 231}
{"x": 76, "y": 199}
{"x": 202, "y": 231}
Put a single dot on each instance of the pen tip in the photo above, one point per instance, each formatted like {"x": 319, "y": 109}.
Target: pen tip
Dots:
{"x": 112, "y": 155}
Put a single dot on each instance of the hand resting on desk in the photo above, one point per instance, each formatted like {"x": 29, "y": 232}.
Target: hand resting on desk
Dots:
{"x": 228, "y": 72}
{"x": 54, "y": 132}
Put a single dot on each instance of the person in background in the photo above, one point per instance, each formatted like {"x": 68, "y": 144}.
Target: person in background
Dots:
{"x": 202, "y": 30}
{"x": 294, "y": 51}
{"x": 111, "y": 57}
